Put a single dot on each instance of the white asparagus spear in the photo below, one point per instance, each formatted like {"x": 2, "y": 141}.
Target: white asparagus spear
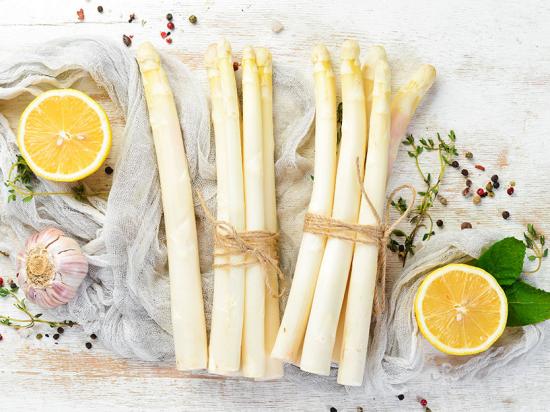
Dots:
{"x": 189, "y": 329}
{"x": 274, "y": 367}
{"x": 374, "y": 55}
{"x": 293, "y": 325}
{"x": 365, "y": 257}
{"x": 228, "y": 310}
{"x": 253, "y": 346}
{"x": 404, "y": 104}
{"x": 333, "y": 274}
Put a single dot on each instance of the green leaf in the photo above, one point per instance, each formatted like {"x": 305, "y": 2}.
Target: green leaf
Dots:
{"x": 545, "y": 254}
{"x": 398, "y": 233}
{"x": 526, "y": 304}
{"x": 4, "y": 292}
{"x": 531, "y": 230}
{"x": 532, "y": 258}
{"x": 503, "y": 260}
{"x": 27, "y": 199}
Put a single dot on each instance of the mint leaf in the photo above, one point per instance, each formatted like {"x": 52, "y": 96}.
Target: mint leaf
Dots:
{"x": 503, "y": 260}
{"x": 526, "y": 304}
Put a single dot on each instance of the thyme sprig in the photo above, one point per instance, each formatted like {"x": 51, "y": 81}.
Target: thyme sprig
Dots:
{"x": 535, "y": 242}
{"x": 404, "y": 243}
{"x": 30, "y": 319}
{"x": 20, "y": 183}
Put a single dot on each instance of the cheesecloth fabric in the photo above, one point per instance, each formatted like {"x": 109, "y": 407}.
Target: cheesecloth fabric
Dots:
{"x": 125, "y": 299}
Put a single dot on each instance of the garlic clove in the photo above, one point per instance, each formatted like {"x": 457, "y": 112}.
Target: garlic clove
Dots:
{"x": 51, "y": 268}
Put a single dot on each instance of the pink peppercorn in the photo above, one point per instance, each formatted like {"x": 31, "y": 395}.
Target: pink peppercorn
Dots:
{"x": 423, "y": 402}
{"x": 1, "y": 282}
{"x": 170, "y": 25}
{"x": 510, "y": 191}
{"x": 480, "y": 191}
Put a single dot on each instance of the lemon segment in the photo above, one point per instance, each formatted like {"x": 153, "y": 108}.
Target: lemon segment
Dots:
{"x": 64, "y": 135}
{"x": 461, "y": 309}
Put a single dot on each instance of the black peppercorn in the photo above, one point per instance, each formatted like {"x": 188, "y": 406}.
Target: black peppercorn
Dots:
{"x": 496, "y": 185}
{"x": 439, "y": 223}
{"x": 464, "y": 172}
{"x": 494, "y": 178}
{"x": 60, "y": 330}
{"x": 88, "y": 345}
{"x": 100, "y": 9}
{"x": 468, "y": 182}
{"x": 400, "y": 396}
{"x": 333, "y": 409}
{"x": 109, "y": 170}
{"x": 505, "y": 214}
{"x": 56, "y": 336}
{"x": 169, "y": 16}
{"x": 93, "y": 336}
{"x": 455, "y": 164}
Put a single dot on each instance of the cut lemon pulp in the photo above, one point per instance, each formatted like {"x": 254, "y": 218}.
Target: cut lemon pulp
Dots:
{"x": 64, "y": 135}
{"x": 461, "y": 309}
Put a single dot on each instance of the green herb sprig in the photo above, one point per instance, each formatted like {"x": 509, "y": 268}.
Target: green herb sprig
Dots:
{"x": 30, "y": 319}
{"x": 404, "y": 243}
{"x": 535, "y": 242}
{"x": 20, "y": 184}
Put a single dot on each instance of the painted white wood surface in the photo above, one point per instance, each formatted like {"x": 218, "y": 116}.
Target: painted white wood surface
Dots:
{"x": 493, "y": 89}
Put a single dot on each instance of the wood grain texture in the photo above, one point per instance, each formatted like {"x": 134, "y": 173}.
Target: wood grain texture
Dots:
{"x": 493, "y": 89}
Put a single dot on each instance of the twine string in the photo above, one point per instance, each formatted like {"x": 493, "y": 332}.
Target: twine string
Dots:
{"x": 255, "y": 246}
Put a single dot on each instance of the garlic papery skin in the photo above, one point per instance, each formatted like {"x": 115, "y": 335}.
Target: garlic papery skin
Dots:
{"x": 51, "y": 268}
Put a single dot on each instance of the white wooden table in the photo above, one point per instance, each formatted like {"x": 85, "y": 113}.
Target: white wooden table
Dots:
{"x": 493, "y": 89}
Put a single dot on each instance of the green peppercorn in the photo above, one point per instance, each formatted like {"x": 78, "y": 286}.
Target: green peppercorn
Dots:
{"x": 489, "y": 186}
{"x": 476, "y": 199}
{"x": 193, "y": 19}
{"x": 469, "y": 155}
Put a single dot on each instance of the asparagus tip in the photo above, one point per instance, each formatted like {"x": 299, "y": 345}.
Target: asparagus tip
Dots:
{"x": 350, "y": 50}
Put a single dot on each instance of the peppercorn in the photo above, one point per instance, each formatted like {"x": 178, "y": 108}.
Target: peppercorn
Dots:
{"x": 39, "y": 336}
{"x": 170, "y": 25}
{"x": 1, "y": 337}
{"x": 496, "y": 185}
{"x": 466, "y": 192}
{"x": 480, "y": 191}
{"x": 60, "y": 330}
{"x": 126, "y": 40}
{"x": 100, "y": 9}
{"x": 512, "y": 183}
{"x": 455, "y": 164}
{"x": 47, "y": 335}
{"x": 476, "y": 199}
{"x": 12, "y": 284}
{"x": 442, "y": 200}
{"x": 88, "y": 345}
{"x": 491, "y": 194}
{"x": 1, "y": 282}
{"x": 401, "y": 248}
{"x": 169, "y": 40}
{"x": 494, "y": 178}
{"x": 400, "y": 396}
{"x": 469, "y": 155}
{"x": 109, "y": 170}
{"x": 163, "y": 34}
{"x": 423, "y": 402}
{"x": 193, "y": 19}
{"x": 235, "y": 66}
{"x": 489, "y": 186}
{"x": 333, "y": 409}
{"x": 505, "y": 214}
{"x": 510, "y": 190}
{"x": 464, "y": 172}
{"x": 468, "y": 182}
{"x": 56, "y": 336}
{"x": 93, "y": 336}
{"x": 439, "y": 223}
{"x": 169, "y": 16}
{"x": 465, "y": 225}
{"x": 479, "y": 167}
{"x": 485, "y": 193}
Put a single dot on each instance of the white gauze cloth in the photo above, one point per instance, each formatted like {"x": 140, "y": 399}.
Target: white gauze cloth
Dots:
{"x": 125, "y": 300}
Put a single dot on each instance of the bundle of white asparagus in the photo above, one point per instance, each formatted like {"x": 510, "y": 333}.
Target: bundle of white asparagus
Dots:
{"x": 245, "y": 313}
{"x": 188, "y": 323}
{"x": 328, "y": 313}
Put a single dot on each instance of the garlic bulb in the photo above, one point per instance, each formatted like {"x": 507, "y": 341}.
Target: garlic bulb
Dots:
{"x": 51, "y": 268}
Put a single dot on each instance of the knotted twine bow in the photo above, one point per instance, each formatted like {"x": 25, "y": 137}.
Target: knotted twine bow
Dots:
{"x": 378, "y": 234}
{"x": 255, "y": 246}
